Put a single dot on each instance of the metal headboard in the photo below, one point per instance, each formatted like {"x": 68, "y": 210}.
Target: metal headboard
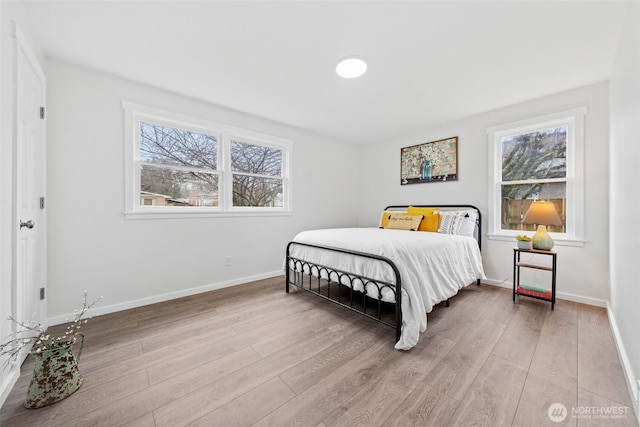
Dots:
{"x": 450, "y": 207}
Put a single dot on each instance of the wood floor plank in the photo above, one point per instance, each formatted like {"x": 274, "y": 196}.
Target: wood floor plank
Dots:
{"x": 556, "y": 361}
{"x": 456, "y": 372}
{"x": 372, "y": 405}
{"x": 519, "y": 340}
{"x": 492, "y": 398}
{"x": 316, "y": 403}
{"x": 153, "y": 361}
{"x": 144, "y": 421}
{"x": 599, "y": 371}
{"x": 214, "y": 329}
{"x": 198, "y": 403}
{"x": 308, "y": 373}
{"x": 304, "y": 326}
{"x": 425, "y": 406}
{"x": 499, "y": 310}
{"x": 593, "y": 325}
{"x": 64, "y": 412}
{"x": 538, "y": 395}
{"x": 96, "y": 360}
{"x": 562, "y": 323}
{"x": 594, "y": 410}
{"x": 162, "y": 394}
{"x": 262, "y": 400}
{"x": 465, "y": 308}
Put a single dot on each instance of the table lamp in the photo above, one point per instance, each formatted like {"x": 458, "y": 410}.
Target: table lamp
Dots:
{"x": 542, "y": 213}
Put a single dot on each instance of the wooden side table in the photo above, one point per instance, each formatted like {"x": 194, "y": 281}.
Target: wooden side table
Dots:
{"x": 532, "y": 291}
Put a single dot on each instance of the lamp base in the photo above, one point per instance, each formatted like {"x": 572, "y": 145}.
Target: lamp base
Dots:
{"x": 542, "y": 240}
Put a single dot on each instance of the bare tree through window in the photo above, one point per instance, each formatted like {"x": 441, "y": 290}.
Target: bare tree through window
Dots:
{"x": 179, "y": 167}
{"x": 257, "y": 172}
{"x": 534, "y": 166}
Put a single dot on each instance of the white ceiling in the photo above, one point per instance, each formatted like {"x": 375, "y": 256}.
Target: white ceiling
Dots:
{"x": 429, "y": 61}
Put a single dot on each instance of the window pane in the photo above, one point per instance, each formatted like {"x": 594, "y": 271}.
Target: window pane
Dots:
{"x": 168, "y": 187}
{"x": 516, "y": 199}
{"x": 170, "y": 146}
{"x": 535, "y": 155}
{"x": 257, "y": 192}
{"x": 255, "y": 159}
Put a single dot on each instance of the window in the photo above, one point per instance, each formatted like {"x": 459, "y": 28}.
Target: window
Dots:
{"x": 257, "y": 174}
{"x": 538, "y": 159}
{"x": 179, "y": 166}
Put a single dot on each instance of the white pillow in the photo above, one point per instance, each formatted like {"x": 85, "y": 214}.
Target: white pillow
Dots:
{"x": 468, "y": 223}
{"x": 458, "y": 222}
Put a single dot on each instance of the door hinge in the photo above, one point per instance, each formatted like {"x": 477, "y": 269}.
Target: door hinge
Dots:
{"x": 41, "y": 202}
{"x": 41, "y": 293}
{"x": 42, "y": 112}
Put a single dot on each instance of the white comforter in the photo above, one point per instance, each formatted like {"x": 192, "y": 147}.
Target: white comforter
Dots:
{"x": 433, "y": 266}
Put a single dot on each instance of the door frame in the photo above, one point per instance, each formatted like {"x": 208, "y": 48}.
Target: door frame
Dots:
{"x": 21, "y": 46}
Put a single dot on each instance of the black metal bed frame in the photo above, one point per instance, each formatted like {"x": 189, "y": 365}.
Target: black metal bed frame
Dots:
{"x": 321, "y": 277}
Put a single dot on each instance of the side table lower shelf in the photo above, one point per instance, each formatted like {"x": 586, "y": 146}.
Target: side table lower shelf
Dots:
{"x": 532, "y": 291}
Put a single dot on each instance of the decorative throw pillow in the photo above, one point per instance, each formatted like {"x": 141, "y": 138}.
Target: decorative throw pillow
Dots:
{"x": 449, "y": 222}
{"x": 384, "y": 220}
{"x": 431, "y": 217}
{"x": 458, "y": 222}
{"x": 404, "y": 222}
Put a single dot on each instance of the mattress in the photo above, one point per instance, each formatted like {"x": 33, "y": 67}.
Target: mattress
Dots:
{"x": 433, "y": 266}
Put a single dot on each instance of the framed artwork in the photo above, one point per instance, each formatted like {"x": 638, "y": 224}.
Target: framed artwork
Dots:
{"x": 435, "y": 161}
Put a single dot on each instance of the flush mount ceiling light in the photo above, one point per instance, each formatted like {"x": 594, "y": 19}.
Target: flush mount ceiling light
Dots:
{"x": 350, "y": 68}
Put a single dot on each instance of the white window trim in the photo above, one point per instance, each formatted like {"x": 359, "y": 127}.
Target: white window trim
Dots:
{"x": 134, "y": 113}
{"x": 574, "y": 120}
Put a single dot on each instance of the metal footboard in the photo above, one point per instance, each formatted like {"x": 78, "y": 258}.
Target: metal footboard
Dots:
{"x": 318, "y": 279}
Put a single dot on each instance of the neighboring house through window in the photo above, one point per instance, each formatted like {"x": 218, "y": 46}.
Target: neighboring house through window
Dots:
{"x": 182, "y": 166}
{"x": 537, "y": 159}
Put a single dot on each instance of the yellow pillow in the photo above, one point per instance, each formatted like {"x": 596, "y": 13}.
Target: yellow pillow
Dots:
{"x": 404, "y": 222}
{"x": 384, "y": 220}
{"x": 431, "y": 219}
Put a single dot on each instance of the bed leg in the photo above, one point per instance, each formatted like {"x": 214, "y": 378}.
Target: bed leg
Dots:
{"x": 286, "y": 279}
{"x": 478, "y": 282}
{"x": 447, "y": 303}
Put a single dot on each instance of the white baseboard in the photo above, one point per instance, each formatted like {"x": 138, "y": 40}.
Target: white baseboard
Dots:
{"x": 56, "y": 320}
{"x": 7, "y": 384}
{"x": 559, "y": 295}
{"x": 627, "y": 370}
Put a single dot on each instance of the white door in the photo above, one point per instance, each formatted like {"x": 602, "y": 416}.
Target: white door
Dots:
{"x": 29, "y": 181}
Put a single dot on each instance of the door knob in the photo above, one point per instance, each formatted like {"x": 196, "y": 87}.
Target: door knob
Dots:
{"x": 29, "y": 224}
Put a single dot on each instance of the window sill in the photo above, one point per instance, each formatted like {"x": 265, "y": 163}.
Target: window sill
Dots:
{"x": 201, "y": 214}
{"x": 557, "y": 241}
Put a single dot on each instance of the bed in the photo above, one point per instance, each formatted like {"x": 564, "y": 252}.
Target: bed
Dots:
{"x": 394, "y": 274}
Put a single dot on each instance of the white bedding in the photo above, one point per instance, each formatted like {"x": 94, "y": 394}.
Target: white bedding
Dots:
{"x": 433, "y": 266}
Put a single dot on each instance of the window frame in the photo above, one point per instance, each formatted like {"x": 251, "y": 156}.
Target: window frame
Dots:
{"x": 136, "y": 113}
{"x": 574, "y": 121}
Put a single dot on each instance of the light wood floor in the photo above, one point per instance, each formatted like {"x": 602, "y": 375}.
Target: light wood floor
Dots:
{"x": 253, "y": 355}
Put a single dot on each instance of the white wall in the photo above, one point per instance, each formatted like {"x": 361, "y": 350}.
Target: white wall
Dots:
{"x": 583, "y": 272}
{"x": 10, "y": 12}
{"x": 625, "y": 157}
{"x": 133, "y": 262}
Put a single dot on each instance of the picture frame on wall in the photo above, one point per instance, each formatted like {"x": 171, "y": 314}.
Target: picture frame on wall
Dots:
{"x": 435, "y": 161}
